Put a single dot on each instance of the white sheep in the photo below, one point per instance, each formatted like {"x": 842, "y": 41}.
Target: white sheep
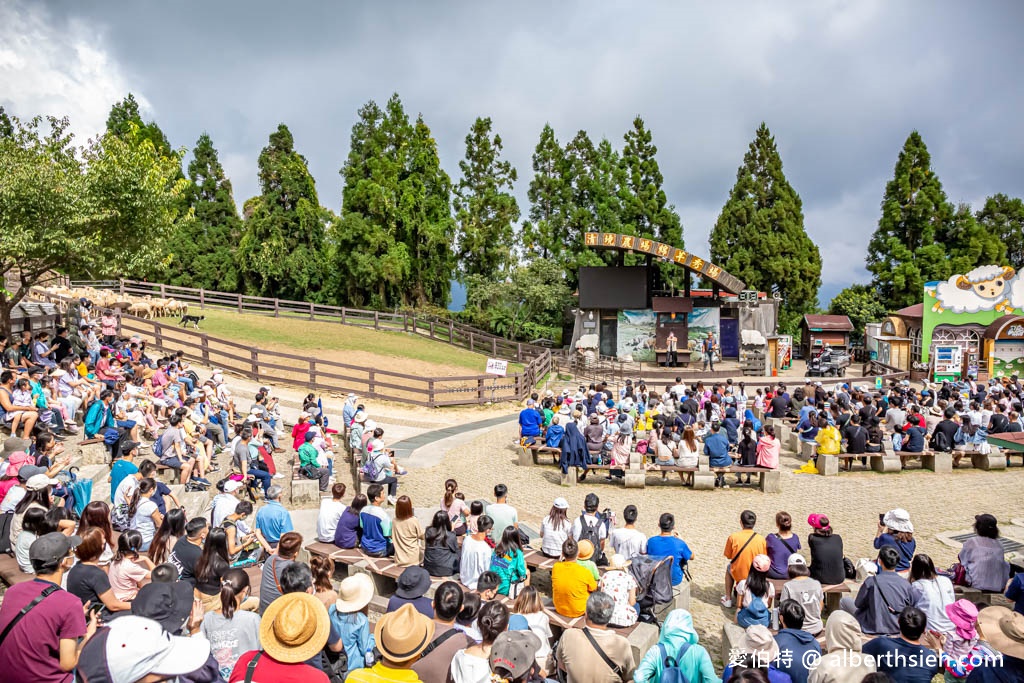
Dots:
{"x": 984, "y": 288}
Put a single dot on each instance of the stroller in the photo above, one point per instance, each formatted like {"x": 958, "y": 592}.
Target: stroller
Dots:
{"x": 654, "y": 577}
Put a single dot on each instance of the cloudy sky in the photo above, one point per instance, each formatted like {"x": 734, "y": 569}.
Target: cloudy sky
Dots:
{"x": 840, "y": 84}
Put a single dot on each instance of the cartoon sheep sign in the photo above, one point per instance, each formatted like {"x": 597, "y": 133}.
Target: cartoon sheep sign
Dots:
{"x": 986, "y": 288}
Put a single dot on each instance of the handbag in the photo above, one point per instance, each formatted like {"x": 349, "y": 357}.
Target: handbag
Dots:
{"x": 958, "y": 575}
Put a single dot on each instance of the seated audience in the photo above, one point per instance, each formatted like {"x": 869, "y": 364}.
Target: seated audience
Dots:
{"x": 983, "y": 557}
{"x": 441, "y": 554}
{"x": 349, "y": 532}
{"x": 781, "y": 546}
{"x": 472, "y": 664}
{"x": 668, "y": 544}
{"x": 406, "y": 534}
{"x": 882, "y": 597}
{"x": 413, "y": 584}
{"x": 349, "y": 617}
{"x": 435, "y": 663}
{"x": 293, "y": 628}
{"x": 508, "y": 563}
{"x": 895, "y": 529}
{"x": 571, "y": 583}
{"x": 826, "y": 551}
{"x": 678, "y": 640}
{"x": 843, "y": 662}
{"x": 331, "y": 510}
{"x": 575, "y": 654}
{"x": 906, "y": 657}
{"x": 796, "y": 642}
{"x": 806, "y": 591}
{"x": 476, "y": 553}
{"x": 622, "y": 587}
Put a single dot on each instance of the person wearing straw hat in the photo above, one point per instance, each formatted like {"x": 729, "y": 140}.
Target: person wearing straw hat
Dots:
{"x": 349, "y": 618}
{"x": 293, "y": 630}
{"x": 621, "y": 585}
{"x": 1003, "y": 630}
{"x": 401, "y": 637}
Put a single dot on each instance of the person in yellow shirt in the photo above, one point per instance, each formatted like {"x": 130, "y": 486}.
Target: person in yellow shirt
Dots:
{"x": 828, "y": 438}
{"x": 571, "y": 582}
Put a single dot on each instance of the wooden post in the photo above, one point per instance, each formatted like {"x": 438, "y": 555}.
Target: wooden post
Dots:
{"x": 494, "y": 347}
{"x": 430, "y": 393}
{"x": 310, "y": 310}
{"x": 376, "y": 320}
{"x": 158, "y": 337}
{"x": 277, "y": 305}
{"x": 163, "y": 291}
{"x": 405, "y": 322}
{"x": 519, "y": 352}
{"x": 414, "y": 324}
{"x": 202, "y": 299}
{"x": 471, "y": 335}
{"x": 342, "y": 315}
{"x": 431, "y": 329}
{"x": 206, "y": 349}
{"x": 239, "y": 303}
{"x": 254, "y": 361}
{"x": 120, "y": 288}
{"x": 451, "y": 332}
{"x": 312, "y": 372}
{"x": 370, "y": 383}
{"x": 480, "y": 390}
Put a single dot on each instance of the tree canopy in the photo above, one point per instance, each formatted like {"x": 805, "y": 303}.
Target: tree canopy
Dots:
{"x": 281, "y": 250}
{"x": 105, "y": 207}
{"x": 860, "y": 304}
{"x": 1003, "y": 217}
{"x": 759, "y": 236}
{"x": 485, "y": 208}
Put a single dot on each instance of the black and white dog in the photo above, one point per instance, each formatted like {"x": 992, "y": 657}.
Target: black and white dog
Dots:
{"x": 193, "y": 319}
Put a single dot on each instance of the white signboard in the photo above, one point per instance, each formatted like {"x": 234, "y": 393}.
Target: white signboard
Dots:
{"x": 497, "y": 367}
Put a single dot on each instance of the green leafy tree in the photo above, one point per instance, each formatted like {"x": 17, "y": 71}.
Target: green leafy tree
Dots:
{"x": 100, "y": 210}
{"x": 544, "y": 235}
{"x": 969, "y": 243}
{"x": 860, "y": 304}
{"x": 485, "y": 207}
{"x": 6, "y": 127}
{"x": 529, "y": 304}
{"x": 281, "y": 250}
{"x": 203, "y": 253}
{"x": 393, "y": 240}
{"x": 905, "y": 250}
{"x": 1003, "y": 217}
{"x": 124, "y": 118}
{"x": 759, "y": 236}
{"x": 593, "y": 177}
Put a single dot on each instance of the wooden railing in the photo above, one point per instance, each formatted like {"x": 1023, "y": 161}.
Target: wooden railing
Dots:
{"x": 431, "y": 327}
{"x": 262, "y": 365}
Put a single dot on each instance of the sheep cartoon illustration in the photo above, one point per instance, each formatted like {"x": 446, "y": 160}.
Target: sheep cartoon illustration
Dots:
{"x": 985, "y": 288}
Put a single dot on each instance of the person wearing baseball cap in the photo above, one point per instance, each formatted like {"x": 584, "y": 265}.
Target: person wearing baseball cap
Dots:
{"x": 38, "y": 618}
{"x": 401, "y": 637}
{"x": 513, "y": 656}
{"x": 805, "y": 590}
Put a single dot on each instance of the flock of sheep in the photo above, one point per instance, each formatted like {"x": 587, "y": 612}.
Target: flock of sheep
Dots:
{"x": 141, "y": 306}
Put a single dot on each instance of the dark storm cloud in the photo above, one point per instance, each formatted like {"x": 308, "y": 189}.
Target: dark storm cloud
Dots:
{"x": 840, "y": 84}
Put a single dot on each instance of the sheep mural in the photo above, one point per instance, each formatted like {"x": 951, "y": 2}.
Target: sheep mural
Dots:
{"x": 985, "y": 288}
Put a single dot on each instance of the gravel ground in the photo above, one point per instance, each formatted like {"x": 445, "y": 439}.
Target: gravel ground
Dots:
{"x": 937, "y": 503}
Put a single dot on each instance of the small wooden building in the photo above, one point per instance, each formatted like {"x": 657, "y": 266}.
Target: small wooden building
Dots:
{"x": 34, "y": 316}
{"x": 818, "y": 330}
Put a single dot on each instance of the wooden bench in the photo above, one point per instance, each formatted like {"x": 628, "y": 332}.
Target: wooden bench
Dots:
{"x": 530, "y": 454}
{"x": 769, "y": 480}
{"x": 11, "y": 573}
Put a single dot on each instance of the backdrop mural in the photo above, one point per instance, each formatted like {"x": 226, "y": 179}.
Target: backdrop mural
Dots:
{"x": 701, "y": 321}
{"x": 636, "y": 335}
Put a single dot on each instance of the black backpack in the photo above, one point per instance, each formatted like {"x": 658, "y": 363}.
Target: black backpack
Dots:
{"x": 940, "y": 442}
{"x": 592, "y": 533}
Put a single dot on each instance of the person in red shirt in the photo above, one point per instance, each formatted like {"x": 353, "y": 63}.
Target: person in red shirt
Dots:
{"x": 294, "y": 629}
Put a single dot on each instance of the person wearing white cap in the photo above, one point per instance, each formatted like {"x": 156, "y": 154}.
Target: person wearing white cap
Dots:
{"x": 223, "y": 504}
{"x": 555, "y": 528}
{"x": 134, "y": 649}
{"x": 348, "y": 411}
{"x": 895, "y": 529}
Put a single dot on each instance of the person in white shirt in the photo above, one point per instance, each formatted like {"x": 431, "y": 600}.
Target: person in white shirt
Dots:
{"x": 629, "y": 541}
{"x": 554, "y": 529}
{"x": 591, "y": 517}
{"x": 223, "y": 504}
{"x": 501, "y": 513}
{"x": 476, "y": 553}
{"x": 331, "y": 510}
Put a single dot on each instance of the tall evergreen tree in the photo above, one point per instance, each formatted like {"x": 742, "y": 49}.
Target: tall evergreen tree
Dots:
{"x": 203, "y": 251}
{"x": 1003, "y": 217}
{"x": 544, "y": 234}
{"x": 906, "y": 249}
{"x": 759, "y": 236}
{"x": 393, "y": 241}
{"x": 593, "y": 177}
{"x": 485, "y": 207}
{"x": 125, "y": 113}
{"x": 6, "y": 126}
{"x": 645, "y": 207}
{"x": 280, "y": 252}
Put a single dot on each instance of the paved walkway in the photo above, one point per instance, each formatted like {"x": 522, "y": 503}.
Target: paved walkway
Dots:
{"x": 406, "y": 447}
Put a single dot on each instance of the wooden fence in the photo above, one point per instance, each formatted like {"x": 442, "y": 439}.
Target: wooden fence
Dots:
{"x": 321, "y": 375}
{"x": 445, "y": 331}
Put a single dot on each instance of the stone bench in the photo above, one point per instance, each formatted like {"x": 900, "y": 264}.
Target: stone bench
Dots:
{"x": 769, "y": 481}
{"x": 975, "y": 595}
{"x": 530, "y": 455}
{"x": 303, "y": 490}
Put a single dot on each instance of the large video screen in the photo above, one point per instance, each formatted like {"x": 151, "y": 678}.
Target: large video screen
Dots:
{"x": 611, "y": 287}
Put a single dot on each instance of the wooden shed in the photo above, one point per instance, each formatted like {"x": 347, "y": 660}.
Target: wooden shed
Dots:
{"x": 818, "y": 330}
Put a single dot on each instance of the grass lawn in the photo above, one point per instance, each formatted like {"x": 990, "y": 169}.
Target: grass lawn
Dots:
{"x": 291, "y": 335}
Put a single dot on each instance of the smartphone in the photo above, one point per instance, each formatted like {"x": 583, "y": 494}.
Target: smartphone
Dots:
{"x": 881, "y": 519}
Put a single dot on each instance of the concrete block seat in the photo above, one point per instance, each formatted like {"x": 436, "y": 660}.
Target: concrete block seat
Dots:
{"x": 10, "y": 572}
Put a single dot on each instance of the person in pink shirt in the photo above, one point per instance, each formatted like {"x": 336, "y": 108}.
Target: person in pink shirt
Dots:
{"x": 768, "y": 448}
{"x": 108, "y": 327}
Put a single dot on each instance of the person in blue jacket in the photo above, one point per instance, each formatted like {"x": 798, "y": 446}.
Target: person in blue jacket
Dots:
{"x": 530, "y": 420}
{"x": 732, "y": 426}
{"x": 716, "y": 447}
{"x": 795, "y": 643}
{"x": 100, "y": 415}
{"x": 553, "y": 436}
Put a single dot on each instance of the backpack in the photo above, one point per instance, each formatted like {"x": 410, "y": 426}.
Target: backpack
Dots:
{"x": 940, "y": 442}
{"x": 592, "y": 533}
{"x": 754, "y": 613}
{"x": 158, "y": 447}
{"x": 370, "y": 470}
{"x": 670, "y": 671}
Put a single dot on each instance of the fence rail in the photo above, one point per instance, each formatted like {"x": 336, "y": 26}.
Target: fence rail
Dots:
{"x": 431, "y": 327}
{"x": 263, "y": 365}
